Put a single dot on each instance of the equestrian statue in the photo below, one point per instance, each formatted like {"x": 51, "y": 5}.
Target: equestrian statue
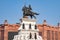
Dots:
{"x": 27, "y": 11}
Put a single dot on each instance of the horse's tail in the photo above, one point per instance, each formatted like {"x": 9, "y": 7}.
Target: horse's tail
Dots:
{"x": 36, "y": 13}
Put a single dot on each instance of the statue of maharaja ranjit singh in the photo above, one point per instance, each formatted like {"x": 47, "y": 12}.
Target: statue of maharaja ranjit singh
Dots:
{"x": 27, "y": 11}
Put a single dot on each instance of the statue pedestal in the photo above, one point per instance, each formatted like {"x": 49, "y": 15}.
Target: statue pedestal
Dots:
{"x": 28, "y": 30}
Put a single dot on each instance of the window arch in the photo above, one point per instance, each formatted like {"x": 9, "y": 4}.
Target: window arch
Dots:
{"x": 30, "y": 36}
{"x": 35, "y": 27}
{"x": 29, "y": 26}
{"x": 35, "y": 36}
{"x": 23, "y": 26}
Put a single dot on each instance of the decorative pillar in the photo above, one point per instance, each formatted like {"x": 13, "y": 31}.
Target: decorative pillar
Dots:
{"x": 50, "y": 35}
{"x": 44, "y": 30}
{"x": 58, "y": 31}
{"x": 5, "y": 30}
{"x": 5, "y": 22}
{"x": 0, "y": 34}
{"x": 5, "y": 34}
{"x": 54, "y": 35}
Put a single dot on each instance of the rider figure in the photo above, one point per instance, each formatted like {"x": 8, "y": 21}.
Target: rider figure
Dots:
{"x": 27, "y": 11}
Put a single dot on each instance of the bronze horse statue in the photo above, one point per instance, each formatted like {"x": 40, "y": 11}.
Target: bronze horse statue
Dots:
{"x": 27, "y": 11}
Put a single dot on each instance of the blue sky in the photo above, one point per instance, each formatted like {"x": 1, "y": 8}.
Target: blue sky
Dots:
{"x": 48, "y": 10}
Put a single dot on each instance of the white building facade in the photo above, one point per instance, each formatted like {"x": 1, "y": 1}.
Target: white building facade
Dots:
{"x": 28, "y": 30}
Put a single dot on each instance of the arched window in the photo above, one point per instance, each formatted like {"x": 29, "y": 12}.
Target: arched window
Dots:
{"x": 23, "y": 26}
{"x": 30, "y": 36}
{"x": 35, "y": 27}
{"x": 35, "y": 36}
{"x": 29, "y": 26}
